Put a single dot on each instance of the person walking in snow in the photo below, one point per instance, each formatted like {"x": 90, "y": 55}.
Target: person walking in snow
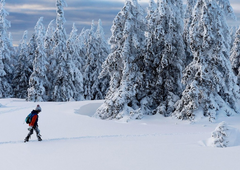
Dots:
{"x": 33, "y": 125}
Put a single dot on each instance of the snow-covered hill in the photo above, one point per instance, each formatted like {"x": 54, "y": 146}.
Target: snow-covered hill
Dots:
{"x": 73, "y": 140}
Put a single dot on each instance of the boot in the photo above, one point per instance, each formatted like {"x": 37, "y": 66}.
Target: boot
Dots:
{"x": 39, "y": 137}
{"x": 26, "y": 139}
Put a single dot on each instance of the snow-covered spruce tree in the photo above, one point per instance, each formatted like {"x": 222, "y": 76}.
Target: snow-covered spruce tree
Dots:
{"x": 187, "y": 23}
{"x": 210, "y": 82}
{"x": 235, "y": 56}
{"x": 69, "y": 81}
{"x": 63, "y": 87}
{"x": 164, "y": 57}
{"x": 6, "y": 53}
{"x": 101, "y": 84}
{"x": 125, "y": 64}
{"x": 59, "y": 36}
{"x": 75, "y": 80}
{"x": 151, "y": 51}
{"x": 22, "y": 70}
{"x": 59, "y": 53}
{"x": 224, "y": 136}
{"x": 91, "y": 71}
{"x": 38, "y": 80}
{"x": 220, "y": 135}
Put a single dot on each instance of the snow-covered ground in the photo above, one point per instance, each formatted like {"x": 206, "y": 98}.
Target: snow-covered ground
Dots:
{"x": 73, "y": 140}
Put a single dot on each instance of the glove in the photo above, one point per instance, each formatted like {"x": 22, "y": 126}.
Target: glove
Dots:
{"x": 30, "y": 128}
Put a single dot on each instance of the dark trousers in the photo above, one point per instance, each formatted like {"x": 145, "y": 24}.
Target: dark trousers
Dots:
{"x": 35, "y": 128}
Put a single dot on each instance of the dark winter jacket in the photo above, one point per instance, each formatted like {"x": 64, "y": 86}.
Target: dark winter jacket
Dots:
{"x": 34, "y": 121}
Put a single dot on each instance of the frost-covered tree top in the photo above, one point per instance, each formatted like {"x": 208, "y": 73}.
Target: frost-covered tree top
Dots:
{"x": 210, "y": 82}
{"x": 104, "y": 47}
{"x": 4, "y": 25}
{"x": 50, "y": 29}
{"x": 227, "y": 8}
{"x": 32, "y": 45}
{"x": 48, "y": 40}
{"x": 136, "y": 5}
{"x": 3, "y": 15}
{"x": 5, "y": 36}
{"x": 23, "y": 48}
{"x": 81, "y": 49}
{"x": 81, "y": 38}
{"x": 60, "y": 13}
{"x": 74, "y": 33}
{"x": 122, "y": 25}
{"x": 100, "y": 33}
{"x": 152, "y": 6}
{"x": 71, "y": 42}
{"x": 60, "y": 33}
{"x": 73, "y": 48}
{"x": 24, "y": 38}
{"x": 152, "y": 12}
{"x": 40, "y": 29}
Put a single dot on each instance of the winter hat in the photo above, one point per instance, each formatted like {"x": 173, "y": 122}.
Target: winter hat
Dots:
{"x": 38, "y": 108}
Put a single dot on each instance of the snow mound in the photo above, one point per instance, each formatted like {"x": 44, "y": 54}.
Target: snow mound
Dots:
{"x": 224, "y": 136}
{"x": 88, "y": 109}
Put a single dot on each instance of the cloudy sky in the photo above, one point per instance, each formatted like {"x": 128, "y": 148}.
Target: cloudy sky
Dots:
{"x": 25, "y": 13}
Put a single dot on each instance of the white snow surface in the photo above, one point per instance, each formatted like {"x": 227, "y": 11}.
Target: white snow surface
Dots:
{"x": 73, "y": 140}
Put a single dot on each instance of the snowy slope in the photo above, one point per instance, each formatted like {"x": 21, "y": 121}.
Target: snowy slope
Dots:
{"x": 73, "y": 140}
